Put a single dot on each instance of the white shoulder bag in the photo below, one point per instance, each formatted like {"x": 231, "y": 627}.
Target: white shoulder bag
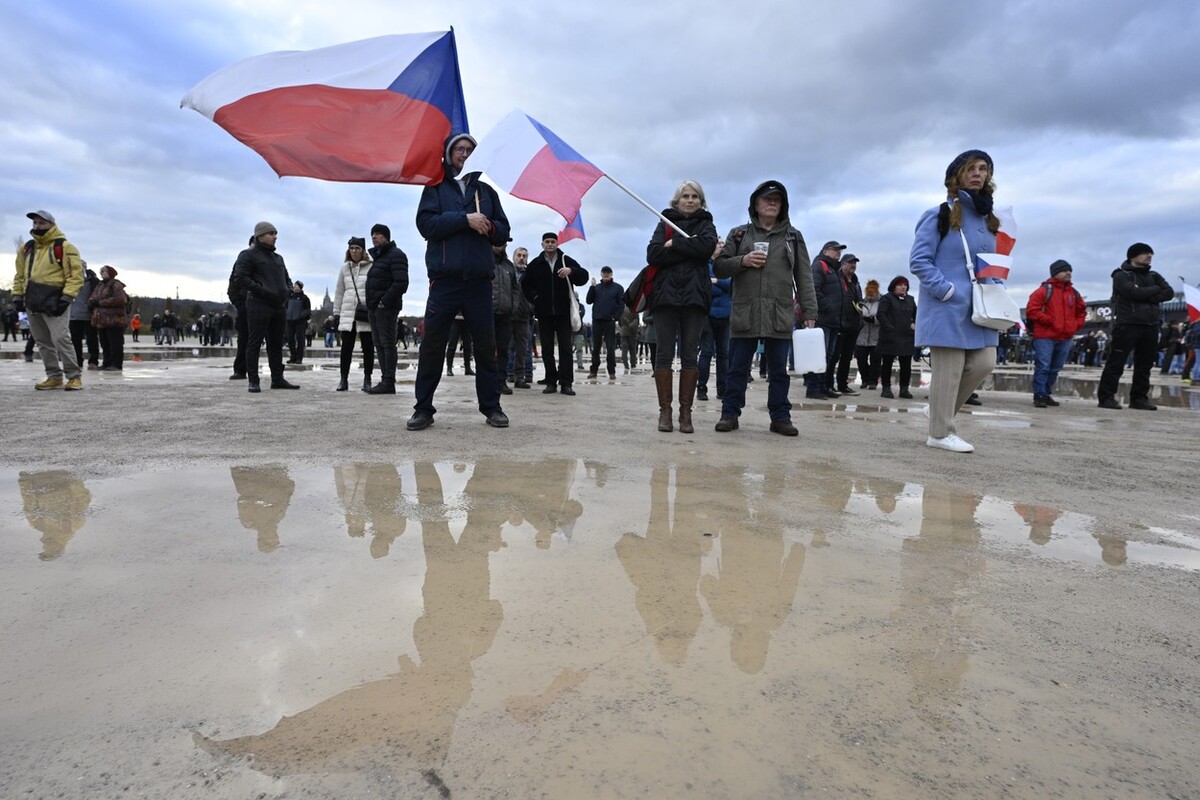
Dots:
{"x": 991, "y": 307}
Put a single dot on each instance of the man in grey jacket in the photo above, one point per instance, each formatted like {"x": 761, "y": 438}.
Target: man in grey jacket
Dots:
{"x": 769, "y": 264}
{"x": 512, "y": 313}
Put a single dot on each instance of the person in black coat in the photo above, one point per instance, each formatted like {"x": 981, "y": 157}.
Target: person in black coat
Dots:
{"x": 387, "y": 281}
{"x": 260, "y": 275}
{"x": 547, "y": 284}
{"x": 681, "y": 297}
{"x": 897, "y": 317}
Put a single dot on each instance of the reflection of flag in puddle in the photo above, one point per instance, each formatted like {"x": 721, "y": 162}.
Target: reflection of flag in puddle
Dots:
{"x": 998, "y": 264}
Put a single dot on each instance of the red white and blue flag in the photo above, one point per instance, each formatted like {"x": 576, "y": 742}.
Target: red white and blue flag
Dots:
{"x": 574, "y": 230}
{"x": 528, "y": 160}
{"x": 999, "y": 264}
{"x": 376, "y": 110}
{"x": 1191, "y": 296}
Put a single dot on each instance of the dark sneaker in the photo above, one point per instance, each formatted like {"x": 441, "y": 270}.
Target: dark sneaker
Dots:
{"x": 1140, "y": 405}
{"x": 1109, "y": 402}
{"x": 784, "y": 427}
{"x": 419, "y": 421}
{"x": 504, "y": 388}
{"x": 282, "y": 383}
{"x": 522, "y": 384}
{"x": 550, "y": 389}
{"x": 1050, "y": 401}
{"x": 238, "y": 376}
{"x": 701, "y": 393}
{"x": 726, "y": 424}
{"x": 887, "y": 392}
{"x": 905, "y": 394}
{"x": 567, "y": 390}
{"x": 253, "y": 387}
{"x": 497, "y": 419}
{"x": 1039, "y": 401}
{"x": 383, "y": 387}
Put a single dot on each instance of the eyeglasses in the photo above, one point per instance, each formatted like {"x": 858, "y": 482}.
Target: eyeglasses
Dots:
{"x": 462, "y": 149}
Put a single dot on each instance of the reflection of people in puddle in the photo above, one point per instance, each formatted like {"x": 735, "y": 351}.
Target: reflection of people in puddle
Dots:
{"x": 56, "y": 504}
{"x": 885, "y": 492}
{"x": 758, "y": 577}
{"x": 1112, "y": 549}
{"x": 934, "y": 623}
{"x": 263, "y": 497}
{"x": 553, "y": 511}
{"x": 408, "y": 717}
{"x": 1040, "y": 519}
{"x": 372, "y": 493}
{"x": 664, "y": 565}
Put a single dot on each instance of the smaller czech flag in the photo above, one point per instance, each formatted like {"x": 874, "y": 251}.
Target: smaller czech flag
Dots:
{"x": 574, "y": 230}
{"x": 999, "y": 264}
{"x": 376, "y": 110}
{"x": 528, "y": 160}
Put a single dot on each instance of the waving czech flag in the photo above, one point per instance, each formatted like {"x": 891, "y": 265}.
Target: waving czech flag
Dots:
{"x": 999, "y": 264}
{"x": 376, "y": 110}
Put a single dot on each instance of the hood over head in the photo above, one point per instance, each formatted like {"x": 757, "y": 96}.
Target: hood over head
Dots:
{"x": 769, "y": 187}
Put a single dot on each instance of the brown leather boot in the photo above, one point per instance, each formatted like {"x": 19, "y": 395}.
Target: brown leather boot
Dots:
{"x": 663, "y": 378}
{"x": 687, "y": 393}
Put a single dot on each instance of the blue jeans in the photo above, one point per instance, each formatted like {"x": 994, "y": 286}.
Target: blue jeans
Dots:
{"x": 1049, "y": 355}
{"x": 741, "y": 352}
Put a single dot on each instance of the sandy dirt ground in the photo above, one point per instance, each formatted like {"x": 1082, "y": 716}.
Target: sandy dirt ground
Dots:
{"x": 211, "y": 594}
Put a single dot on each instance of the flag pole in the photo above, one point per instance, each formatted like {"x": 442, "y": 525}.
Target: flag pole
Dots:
{"x": 651, "y": 208}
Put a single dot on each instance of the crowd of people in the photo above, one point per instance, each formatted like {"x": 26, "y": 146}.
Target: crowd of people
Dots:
{"x": 734, "y": 300}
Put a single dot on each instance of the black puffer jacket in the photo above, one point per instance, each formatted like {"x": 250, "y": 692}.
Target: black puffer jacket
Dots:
{"x": 1137, "y": 292}
{"x": 682, "y": 278}
{"x": 836, "y": 295}
{"x": 260, "y": 274}
{"x": 387, "y": 280}
{"x": 896, "y": 316}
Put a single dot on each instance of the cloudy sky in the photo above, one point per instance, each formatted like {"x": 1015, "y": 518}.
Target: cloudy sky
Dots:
{"x": 1088, "y": 110}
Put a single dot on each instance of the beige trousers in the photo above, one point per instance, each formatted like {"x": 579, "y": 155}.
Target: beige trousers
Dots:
{"x": 956, "y": 373}
{"x": 53, "y": 337}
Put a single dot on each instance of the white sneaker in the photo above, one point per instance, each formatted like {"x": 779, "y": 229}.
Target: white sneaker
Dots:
{"x": 952, "y": 443}
{"x": 925, "y": 410}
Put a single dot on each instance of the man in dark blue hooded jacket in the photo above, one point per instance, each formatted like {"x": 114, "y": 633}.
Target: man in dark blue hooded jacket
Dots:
{"x": 461, "y": 219}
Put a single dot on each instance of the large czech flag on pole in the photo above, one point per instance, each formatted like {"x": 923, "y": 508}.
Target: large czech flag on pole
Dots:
{"x": 377, "y": 110}
{"x": 528, "y": 160}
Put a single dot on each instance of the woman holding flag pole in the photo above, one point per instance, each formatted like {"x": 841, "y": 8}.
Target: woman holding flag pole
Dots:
{"x": 949, "y": 240}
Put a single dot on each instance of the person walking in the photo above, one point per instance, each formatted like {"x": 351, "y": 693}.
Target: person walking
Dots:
{"x": 948, "y": 237}
{"x": 350, "y": 312}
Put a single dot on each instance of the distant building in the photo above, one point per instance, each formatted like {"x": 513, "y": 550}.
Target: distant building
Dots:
{"x": 327, "y": 303}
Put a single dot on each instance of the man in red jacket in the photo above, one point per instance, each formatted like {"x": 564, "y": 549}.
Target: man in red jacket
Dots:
{"x": 1054, "y": 313}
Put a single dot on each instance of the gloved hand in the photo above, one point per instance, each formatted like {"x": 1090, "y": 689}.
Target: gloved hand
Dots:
{"x": 64, "y": 303}
{"x": 336, "y": 320}
{"x": 18, "y": 303}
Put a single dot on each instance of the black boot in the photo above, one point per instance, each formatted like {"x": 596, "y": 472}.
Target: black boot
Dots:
{"x": 385, "y": 386}
{"x": 343, "y": 384}
{"x": 366, "y": 387}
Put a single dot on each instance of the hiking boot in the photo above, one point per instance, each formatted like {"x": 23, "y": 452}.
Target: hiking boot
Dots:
{"x": 74, "y": 385}
{"x": 49, "y": 383}
{"x": 726, "y": 424}
{"x": 784, "y": 427}
{"x": 1039, "y": 401}
{"x": 419, "y": 421}
{"x": 497, "y": 418}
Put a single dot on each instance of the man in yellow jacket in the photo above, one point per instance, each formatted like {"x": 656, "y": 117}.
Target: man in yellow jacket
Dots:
{"x": 49, "y": 275}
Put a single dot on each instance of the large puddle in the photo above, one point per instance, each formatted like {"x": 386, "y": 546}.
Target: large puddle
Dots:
{"x": 496, "y": 627}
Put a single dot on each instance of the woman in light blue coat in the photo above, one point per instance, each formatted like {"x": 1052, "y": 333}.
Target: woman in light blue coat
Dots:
{"x": 962, "y": 354}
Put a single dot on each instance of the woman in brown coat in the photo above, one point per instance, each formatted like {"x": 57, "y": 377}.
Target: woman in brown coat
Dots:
{"x": 109, "y": 303}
